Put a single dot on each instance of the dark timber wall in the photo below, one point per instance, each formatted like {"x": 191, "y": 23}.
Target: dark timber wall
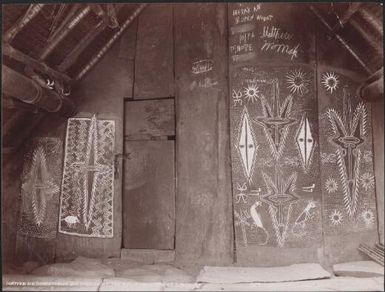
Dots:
{"x": 219, "y": 67}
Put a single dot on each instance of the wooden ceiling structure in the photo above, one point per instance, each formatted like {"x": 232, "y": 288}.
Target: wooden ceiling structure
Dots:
{"x": 47, "y": 48}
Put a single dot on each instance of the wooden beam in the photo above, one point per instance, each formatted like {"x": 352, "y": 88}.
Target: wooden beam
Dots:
{"x": 12, "y": 53}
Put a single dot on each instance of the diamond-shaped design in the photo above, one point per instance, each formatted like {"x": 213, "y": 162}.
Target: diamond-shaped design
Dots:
{"x": 247, "y": 144}
{"x": 39, "y": 185}
{"x": 305, "y": 142}
{"x": 90, "y": 170}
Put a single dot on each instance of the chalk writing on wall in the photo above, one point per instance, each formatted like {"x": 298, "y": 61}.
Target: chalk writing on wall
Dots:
{"x": 275, "y": 171}
{"x": 40, "y": 188}
{"x": 261, "y": 32}
{"x": 86, "y": 207}
{"x": 348, "y": 186}
{"x": 202, "y": 66}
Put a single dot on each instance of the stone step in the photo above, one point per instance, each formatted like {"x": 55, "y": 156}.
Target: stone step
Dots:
{"x": 295, "y": 272}
{"x": 359, "y": 269}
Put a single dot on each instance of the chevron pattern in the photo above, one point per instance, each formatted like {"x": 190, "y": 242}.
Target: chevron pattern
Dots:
{"x": 88, "y": 178}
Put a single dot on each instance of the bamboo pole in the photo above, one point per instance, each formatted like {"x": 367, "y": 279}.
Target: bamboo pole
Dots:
{"x": 71, "y": 58}
{"x": 101, "y": 53}
{"x": 32, "y": 11}
{"x": 340, "y": 39}
{"x": 64, "y": 32}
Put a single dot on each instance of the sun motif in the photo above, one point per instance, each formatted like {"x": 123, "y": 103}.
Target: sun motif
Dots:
{"x": 367, "y": 181}
{"x": 331, "y": 185}
{"x": 297, "y": 82}
{"x": 336, "y": 218}
{"x": 368, "y": 217}
{"x": 330, "y": 81}
{"x": 251, "y": 93}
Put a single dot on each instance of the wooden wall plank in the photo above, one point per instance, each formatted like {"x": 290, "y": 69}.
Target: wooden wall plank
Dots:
{"x": 149, "y": 118}
{"x": 269, "y": 47}
{"x": 102, "y": 93}
{"x": 203, "y": 204}
{"x": 154, "y": 75}
{"x": 378, "y": 144}
{"x": 149, "y": 195}
{"x": 344, "y": 224}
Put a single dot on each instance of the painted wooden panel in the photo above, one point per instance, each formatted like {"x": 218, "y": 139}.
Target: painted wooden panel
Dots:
{"x": 154, "y": 72}
{"x": 87, "y": 192}
{"x": 149, "y": 195}
{"x": 149, "y": 118}
{"x": 341, "y": 240}
{"x": 274, "y": 134}
{"x": 347, "y": 172}
{"x": 204, "y": 215}
{"x": 269, "y": 33}
{"x": 40, "y": 189}
{"x": 274, "y": 127}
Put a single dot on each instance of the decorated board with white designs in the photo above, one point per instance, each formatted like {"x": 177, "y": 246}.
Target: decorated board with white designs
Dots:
{"x": 40, "y": 188}
{"x": 86, "y": 206}
{"x": 275, "y": 156}
{"x": 347, "y": 173}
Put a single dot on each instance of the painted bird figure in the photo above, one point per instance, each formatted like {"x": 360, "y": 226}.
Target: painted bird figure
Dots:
{"x": 257, "y": 219}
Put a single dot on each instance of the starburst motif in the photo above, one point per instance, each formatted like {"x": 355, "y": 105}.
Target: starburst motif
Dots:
{"x": 331, "y": 185}
{"x": 368, "y": 217}
{"x": 367, "y": 181}
{"x": 251, "y": 93}
{"x": 330, "y": 81}
{"x": 336, "y": 217}
{"x": 297, "y": 82}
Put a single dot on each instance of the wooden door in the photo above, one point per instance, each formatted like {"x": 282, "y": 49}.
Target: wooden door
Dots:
{"x": 149, "y": 175}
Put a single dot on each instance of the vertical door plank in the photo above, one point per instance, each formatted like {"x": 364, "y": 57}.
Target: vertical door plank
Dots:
{"x": 154, "y": 75}
{"x": 149, "y": 195}
{"x": 203, "y": 204}
{"x": 149, "y": 118}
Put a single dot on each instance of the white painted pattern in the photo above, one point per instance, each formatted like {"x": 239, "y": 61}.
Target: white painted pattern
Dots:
{"x": 297, "y": 82}
{"x": 39, "y": 186}
{"x": 280, "y": 197}
{"x": 305, "y": 142}
{"x": 247, "y": 145}
{"x": 330, "y": 81}
{"x": 86, "y": 206}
